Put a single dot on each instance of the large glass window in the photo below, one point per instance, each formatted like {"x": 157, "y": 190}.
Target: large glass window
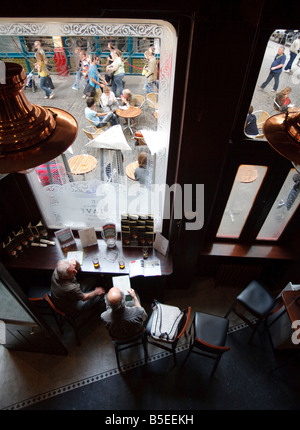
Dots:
{"x": 244, "y": 190}
{"x": 283, "y": 209}
{"x": 277, "y": 85}
{"x": 108, "y": 188}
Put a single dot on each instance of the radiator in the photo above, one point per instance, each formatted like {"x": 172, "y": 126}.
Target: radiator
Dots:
{"x": 237, "y": 274}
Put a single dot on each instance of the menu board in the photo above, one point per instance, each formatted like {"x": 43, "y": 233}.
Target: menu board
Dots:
{"x": 65, "y": 237}
{"x": 137, "y": 230}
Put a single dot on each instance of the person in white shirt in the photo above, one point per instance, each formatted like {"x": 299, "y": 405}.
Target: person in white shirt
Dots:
{"x": 109, "y": 101}
{"x": 294, "y": 49}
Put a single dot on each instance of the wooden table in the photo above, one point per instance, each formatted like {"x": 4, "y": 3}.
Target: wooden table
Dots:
{"x": 82, "y": 164}
{"x": 35, "y": 261}
{"x": 35, "y": 258}
{"x": 130, "y": 170}
{"x": 130, "y": 113}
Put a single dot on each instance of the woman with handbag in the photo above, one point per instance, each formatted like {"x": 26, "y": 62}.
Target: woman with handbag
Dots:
{"x": 117, "y": 68}
{"x": 38, "y": 49}
{"x": 42, "y": 71}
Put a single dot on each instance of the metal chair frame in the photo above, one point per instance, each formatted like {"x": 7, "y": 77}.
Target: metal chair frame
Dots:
{"x": 205, "y": 349}
{"x": 170, "y": 346}
{"x": 122, "y": 344}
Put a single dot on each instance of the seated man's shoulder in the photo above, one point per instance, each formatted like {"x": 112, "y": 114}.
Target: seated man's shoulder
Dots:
{"x": 135, "y": 311}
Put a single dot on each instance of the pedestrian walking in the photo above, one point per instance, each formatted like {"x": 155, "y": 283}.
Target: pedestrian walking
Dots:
{"x": 275, "y": 69}
{"x": 294, "y": 50}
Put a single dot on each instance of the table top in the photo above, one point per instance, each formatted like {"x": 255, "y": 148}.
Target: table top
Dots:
{"x": 36, "y": 258}
{"x": 80, "y": 164}
{"x": 131, "y": 112}
{"x": 130, "y": 169}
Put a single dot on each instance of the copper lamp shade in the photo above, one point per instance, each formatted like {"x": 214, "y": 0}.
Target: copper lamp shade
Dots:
{"x": 30, "y": 135}
{"x": 283, "y": 133}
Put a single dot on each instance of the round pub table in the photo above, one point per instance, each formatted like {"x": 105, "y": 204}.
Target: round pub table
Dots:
{"x": 82, "y": 164}
{"x": 130, "y": 113}
{"x": 130, "y": 170}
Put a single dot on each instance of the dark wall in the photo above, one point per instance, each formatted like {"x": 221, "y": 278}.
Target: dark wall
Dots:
{"x": 18, "y": 207}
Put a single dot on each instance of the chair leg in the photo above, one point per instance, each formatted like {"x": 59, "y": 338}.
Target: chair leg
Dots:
{"x": 117, "y": 357}
{"x": 230, "y": 309}
{"x": 57, "y": 320}
{"x": 145, "y": 346}
{"x": 215, "y": 366}
{"x": 174, "y": 354}
{"x": 78, "y": 340}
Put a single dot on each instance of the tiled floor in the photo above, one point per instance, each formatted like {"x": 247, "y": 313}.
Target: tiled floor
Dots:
{"x": 25, "y": 375}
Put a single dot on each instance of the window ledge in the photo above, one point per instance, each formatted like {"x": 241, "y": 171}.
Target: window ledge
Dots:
{"x": 273, "y": 252}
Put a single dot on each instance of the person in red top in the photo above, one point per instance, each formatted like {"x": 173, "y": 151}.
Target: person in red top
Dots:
{"x": 282, "y": 100}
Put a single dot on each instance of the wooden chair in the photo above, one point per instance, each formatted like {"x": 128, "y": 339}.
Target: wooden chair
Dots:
{"x": 261, "y": 116}
{"x": 139, "y": 139}
{"x": 208, "y": 337}
{"x": 170, "y": 345}
{"x": 140, "y": 99}
{"x": 91, "y": 134}
{"x": 152, "y": 100}
{"x": 99, "y": 128}
{"x": 63, "y": 317}
{"x": 37, "y": 296}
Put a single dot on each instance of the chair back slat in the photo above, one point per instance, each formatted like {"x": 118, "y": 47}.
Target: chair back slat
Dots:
{"x": 54, "y": 307}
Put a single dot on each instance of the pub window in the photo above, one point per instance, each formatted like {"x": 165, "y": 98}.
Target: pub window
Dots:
{"x": 269, "y": 97}
{"x": 283, "y": 209}
{"x": 243, "y": 193}
{"x": 107, "y": 189}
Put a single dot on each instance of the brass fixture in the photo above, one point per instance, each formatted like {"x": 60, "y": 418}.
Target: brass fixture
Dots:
{"x": 30, "y": 135}
{"x": 283, "y": 133}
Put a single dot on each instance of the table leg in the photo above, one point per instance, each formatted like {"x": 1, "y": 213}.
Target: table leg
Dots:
{"x": 119, "y": 155}
{"x": 49, "y": 173}
{"x": 101, "y": 157}
{"x": 128, "y": 126}
{"x": 67, "y": 167}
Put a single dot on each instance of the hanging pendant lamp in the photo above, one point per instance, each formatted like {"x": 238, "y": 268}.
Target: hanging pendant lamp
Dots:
{"x": 282, "y": 132}
{"x": 30, "y": 135}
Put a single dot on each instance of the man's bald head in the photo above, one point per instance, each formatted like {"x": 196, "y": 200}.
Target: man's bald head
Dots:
{"x": 115, "y": 298}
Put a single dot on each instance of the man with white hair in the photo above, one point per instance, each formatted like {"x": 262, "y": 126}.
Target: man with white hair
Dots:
{"x": 71, "y": 297}
{"x": 123, "y": 320}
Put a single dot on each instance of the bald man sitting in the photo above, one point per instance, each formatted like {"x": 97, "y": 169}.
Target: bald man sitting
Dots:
{"x": 123, "y": 320}
{"x": 70, "y": 296}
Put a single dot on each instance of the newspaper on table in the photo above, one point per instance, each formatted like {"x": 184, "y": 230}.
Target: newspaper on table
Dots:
{"x": 144, "y": 268}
